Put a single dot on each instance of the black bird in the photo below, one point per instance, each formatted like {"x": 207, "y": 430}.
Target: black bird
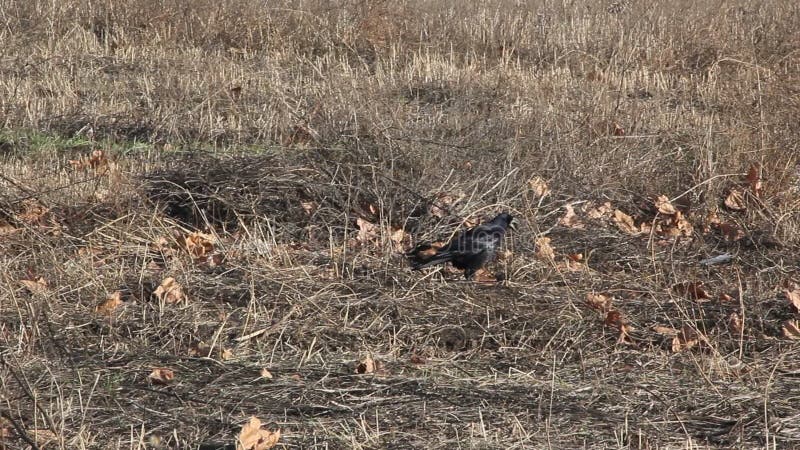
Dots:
{"x": 469, "y": 250}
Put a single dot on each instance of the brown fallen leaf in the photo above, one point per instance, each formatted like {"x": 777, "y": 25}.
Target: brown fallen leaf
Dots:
{"x": 366, "y": 365}
{"x": 625, "y": 222}
{"x": 265, "y": 373}
{"x": 161, "y": 375}
{"x": 367, "y": 231}
{"x": 791, "y": 330}
{"x": 200, "y": 349}
{"x": 484, "y": 276}
{"x": 36, "y": 285}
{"x": 96, "y": 160}
{"x": 416, "y": 359}
{"x": 570, "y": 219}
{"x": 603, "y": 211}
{"x": 614, "y": 319}
{"x": 543, "y": 249}
{"x": 7, "y": 228}
{"x": 252, "y": 437}
{"x": 735, "y": 322}
{"x": 683, "y": 226}
{"x": 729, "y": 231}
{"x": 665, "y": 331}
{"x": 443, "y": 202}
{"x": 309, "y": 207}
{"x": 754, "y": 179}
{"x": 539, "y": 187}
{"x": 213, "y": 260}
{"x": 107, "y": 306}
{"x": 664, "y": 206}
{"x": 170, "y": 291}
{"x": 33, "y": 212}
{"x": 735, "y": 200}
{"x": 42, "y": 437}
{"x": 693, "y": 290}
{"x": 792, "y": 293}
{"x": 399, "y": 238}
{"x": 199, "y": 244}
{"x": 685, "y": 339}
{"x": 6, "y": 430}
{"x": 572, "y": 263}
{"x": 599, "y": 302}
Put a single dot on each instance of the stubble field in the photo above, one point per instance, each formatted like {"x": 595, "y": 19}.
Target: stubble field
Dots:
{"x": 204, "y": 208}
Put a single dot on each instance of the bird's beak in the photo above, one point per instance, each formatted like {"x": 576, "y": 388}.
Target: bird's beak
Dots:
{"x": 513, "y": 224}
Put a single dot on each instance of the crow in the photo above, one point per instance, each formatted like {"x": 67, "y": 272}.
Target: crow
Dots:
{"x": 468, "y": 250}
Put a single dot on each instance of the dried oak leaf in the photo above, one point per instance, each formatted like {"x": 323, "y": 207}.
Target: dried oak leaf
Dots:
{"x": 680, "y": 223}
{"x": 570, "y": 219}
{"x": 200, "y": 349}
{"x": 730, "y": 232}
{"x": 36, "y": 285}
{"x": 539, "y": 187}
{"x": 735, "y": 200}
{"x": 32, "y": 212}
{"x": 693, "y": 290}
{"x": 599, "y": 302}
{"x": 309, "y": 207}
{"x": 791, "y": 330}
{"x": 754, "y": 179}
{"x": 665, "y": 331}
{"x": 792, "y": 293}
{"x": 252, "y": 437}
{"x": 443, "y": 202}
{"x": 614, "y": 319}
{"x": 7, "y": 228}
{"x": 543, "y": 249}
{"x": 686, "y": 338}
{"x": 226, "y": 354}
{"x": 625, "y": 222}
{"x": 599, "y": 212}
{"x": 161, "y": 375}
{"x": 367, "y": 231}
{"x": 169, "y": 291}
{"x": 366, "y": 365}
{"x": 735, "y": 322}
{"x": 484, "y": 276}
{"x": 199, "y": 244}
{"x": 572, "y": 263}
{"x": 107, "y": 306}
{"x": 399, "y": 238}
{"x": 664, "y": 206}
{"x": 416, "y": 359}
{"x": 42, "y": 437}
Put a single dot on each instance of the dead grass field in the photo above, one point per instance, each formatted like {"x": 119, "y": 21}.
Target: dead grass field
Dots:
{"x": 276, "y": 158}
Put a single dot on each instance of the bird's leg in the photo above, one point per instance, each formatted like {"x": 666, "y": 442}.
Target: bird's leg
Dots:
{"x": 469, "y": 273}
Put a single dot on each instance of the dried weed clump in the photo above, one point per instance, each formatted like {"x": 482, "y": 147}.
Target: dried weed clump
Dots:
{"x": 204, "y": 208}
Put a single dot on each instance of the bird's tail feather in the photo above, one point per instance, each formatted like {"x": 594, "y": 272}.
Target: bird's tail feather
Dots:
{"x": 441, "y": 258}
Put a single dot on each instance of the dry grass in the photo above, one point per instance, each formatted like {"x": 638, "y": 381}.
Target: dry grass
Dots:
{"x": 275, "y": 128}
